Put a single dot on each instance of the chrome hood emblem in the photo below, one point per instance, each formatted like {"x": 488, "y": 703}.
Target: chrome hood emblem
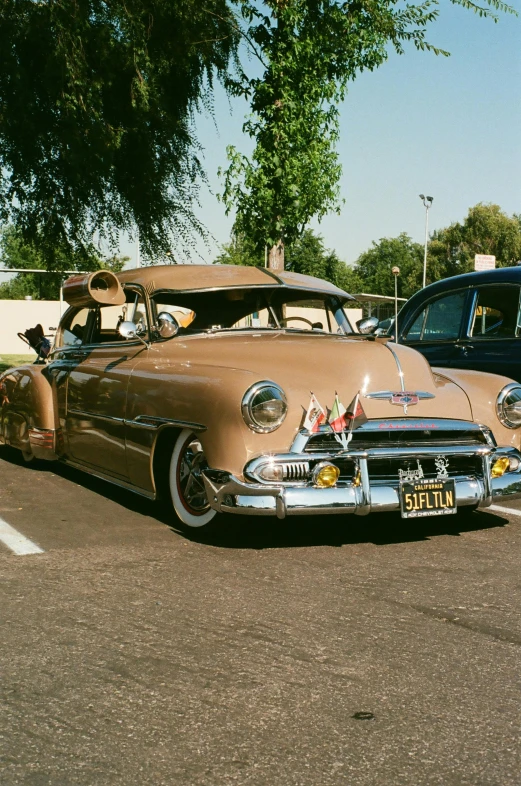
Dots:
{"x": 402, "y": 398}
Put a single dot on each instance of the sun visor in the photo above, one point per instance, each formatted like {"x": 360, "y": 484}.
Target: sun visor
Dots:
{"x": 102, "y": 287}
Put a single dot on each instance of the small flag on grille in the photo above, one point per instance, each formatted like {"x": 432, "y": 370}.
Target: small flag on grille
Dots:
{"x": 355, "y": 414}
{"x": 314, "y": 416}
{"x": 337, "y": 416}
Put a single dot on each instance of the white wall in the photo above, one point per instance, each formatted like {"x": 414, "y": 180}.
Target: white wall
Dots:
{"x": 18, "y": 315}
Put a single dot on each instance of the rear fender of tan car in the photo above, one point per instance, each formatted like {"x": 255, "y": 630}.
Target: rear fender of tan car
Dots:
{"x": 28, "y": 418}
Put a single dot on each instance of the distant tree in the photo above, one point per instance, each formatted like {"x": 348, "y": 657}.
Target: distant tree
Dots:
{"x": 373, "y": 267}
{"x": 240, "y": 251}
{"x": 96, "y": 106}
{"x": 309, "y": 256}
{"x": 486, "y": 230}
{"x": 15, "y": 253}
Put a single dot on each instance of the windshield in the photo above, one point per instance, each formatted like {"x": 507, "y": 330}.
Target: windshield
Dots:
{"x": 258, "y": 309}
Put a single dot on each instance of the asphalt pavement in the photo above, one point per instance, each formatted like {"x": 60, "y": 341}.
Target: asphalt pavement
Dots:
{"x": 313, "y": 652}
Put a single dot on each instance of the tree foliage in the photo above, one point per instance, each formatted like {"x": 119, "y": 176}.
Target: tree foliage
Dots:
{"x": 485, "y": 230}
{"x": 309, "y": 51}
{"x": 450, "y": 251}
{"x": 373, "y": 268}
{"x": 96, "y": 101}
{"x": 17, "y": 254}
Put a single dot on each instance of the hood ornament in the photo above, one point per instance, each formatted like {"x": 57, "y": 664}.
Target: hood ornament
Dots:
{"x": 402, "y": 398}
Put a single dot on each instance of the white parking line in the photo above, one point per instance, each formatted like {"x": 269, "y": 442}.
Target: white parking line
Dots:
{"x": 505, "y": 510}
{"x": 17, "y": 542}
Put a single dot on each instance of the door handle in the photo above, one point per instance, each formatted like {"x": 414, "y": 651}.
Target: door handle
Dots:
{"x": 465, "y": 348}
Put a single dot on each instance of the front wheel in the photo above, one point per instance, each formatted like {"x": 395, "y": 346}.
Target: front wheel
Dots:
{"x": 186, "y": 483}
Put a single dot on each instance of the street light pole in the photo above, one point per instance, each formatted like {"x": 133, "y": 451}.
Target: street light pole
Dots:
{"x": 427, "y": 202}
{"x": 396, "y": 272}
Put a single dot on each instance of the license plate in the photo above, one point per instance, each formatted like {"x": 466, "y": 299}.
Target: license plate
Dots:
{"x": 427, "y": 498}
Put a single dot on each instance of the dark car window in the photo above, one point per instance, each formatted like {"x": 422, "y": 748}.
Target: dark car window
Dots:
{"x": 439, "y": 320}
{"x": 496, "y": 313}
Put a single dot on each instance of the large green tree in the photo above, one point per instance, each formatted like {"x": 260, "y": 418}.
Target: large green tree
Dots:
{"x": 96, "y": 101}
{"x": 309, "y": 50}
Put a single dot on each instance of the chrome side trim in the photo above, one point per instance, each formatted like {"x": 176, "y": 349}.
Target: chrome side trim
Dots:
{"x": 398, "y": 364}
{"x": 94, "y": 415}
{"x": 152, "y": 423}
{"x": 149, "y": 422}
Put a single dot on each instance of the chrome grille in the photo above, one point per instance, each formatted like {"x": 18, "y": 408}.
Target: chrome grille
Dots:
{"x": 295, "y": 470}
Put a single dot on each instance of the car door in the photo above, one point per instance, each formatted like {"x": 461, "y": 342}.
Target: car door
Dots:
{"x": 97, "y": 386}
{"x": 492, "y": 339}
{"x": 437, "y": 326}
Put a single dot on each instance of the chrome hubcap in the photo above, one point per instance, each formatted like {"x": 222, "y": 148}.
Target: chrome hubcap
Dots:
{"x": 191, "y": 485}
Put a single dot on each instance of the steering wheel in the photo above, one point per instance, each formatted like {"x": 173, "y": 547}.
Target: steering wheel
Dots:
{"x": 300, "y": 319}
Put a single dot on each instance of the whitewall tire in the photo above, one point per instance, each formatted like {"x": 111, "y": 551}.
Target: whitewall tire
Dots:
{"x": 185, "y": 481}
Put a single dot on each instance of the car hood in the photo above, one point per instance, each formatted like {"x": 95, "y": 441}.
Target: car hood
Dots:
{"x": 326, "y": 364}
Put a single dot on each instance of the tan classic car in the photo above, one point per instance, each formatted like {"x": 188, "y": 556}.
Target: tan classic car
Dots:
{"x": 213, "y": 383}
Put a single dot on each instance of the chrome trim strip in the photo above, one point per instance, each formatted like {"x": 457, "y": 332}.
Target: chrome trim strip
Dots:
{"x": 398, "y": 364}
{"x": 82, "y": 414}
{"x": 149, "y": 422}
{"x": 152, "y": 423}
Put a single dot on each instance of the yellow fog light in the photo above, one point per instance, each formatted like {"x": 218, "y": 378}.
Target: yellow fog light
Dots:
{"x": 500, "y": 466}
{"x": 325, "y": 475}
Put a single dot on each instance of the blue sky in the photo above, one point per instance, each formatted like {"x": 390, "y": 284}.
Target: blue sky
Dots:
{"x": 447, "y": 127}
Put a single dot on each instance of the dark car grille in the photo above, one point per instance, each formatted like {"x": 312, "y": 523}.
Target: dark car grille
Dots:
{"x": 388, "y": 469}
{"x": 397, "y": 438}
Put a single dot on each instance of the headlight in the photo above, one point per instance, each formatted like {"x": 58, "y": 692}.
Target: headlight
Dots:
{"x": 264, "y": 407}
{"x": 508, "y": 405}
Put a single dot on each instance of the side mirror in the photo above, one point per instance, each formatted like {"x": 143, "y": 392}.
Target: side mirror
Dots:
{"x": 127, "y": 330}
{"x": 367, "y": 325}
{"x": 167, "y": 325}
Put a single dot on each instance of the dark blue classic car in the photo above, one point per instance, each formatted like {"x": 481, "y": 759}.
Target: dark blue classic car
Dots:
{"x": 471, "y": 321}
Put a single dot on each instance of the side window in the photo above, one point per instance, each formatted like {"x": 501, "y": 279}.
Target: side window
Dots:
{"x": 72, "y": 331}
{"x": 440, "y": 320}
{"x": 496, "y": 313}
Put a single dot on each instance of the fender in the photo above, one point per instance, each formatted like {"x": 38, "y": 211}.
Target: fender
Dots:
{"x": 482, "y": 390}
{"x": 28, "y": 415}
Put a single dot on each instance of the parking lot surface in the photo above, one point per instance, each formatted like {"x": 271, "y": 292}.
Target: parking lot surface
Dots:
{"x": 311, "y": 652}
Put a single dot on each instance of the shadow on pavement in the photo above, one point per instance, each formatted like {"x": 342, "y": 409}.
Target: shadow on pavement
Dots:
{"x": 258, "y": 532}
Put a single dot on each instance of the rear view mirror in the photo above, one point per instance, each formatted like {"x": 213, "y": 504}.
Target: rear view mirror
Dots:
{"x": 367, "y": 325}
{"x": 167, "y": 325}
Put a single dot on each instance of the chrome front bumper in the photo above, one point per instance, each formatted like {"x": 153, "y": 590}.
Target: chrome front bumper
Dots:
{"x": 228, "y": 494}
